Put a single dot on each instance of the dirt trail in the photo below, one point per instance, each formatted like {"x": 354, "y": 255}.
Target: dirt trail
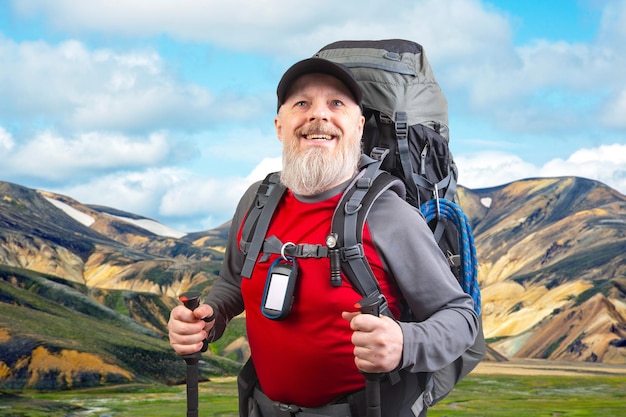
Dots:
{"x": 542, "y": 367}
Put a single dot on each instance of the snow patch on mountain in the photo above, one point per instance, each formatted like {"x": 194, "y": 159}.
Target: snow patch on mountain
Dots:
{"x": 77, "y": 215}
{"x": 152, "y": 226}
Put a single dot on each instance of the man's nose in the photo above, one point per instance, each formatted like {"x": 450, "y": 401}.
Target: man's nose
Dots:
{"x": 319, "y": 111}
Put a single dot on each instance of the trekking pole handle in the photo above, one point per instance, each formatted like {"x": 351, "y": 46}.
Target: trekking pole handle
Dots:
{"x": 371, "y": 305}
{"x": 191, "y": 300}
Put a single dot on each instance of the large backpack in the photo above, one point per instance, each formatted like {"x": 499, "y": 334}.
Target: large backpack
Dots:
{"x": 406, "y": 112}
{"x": 405, "y": 139}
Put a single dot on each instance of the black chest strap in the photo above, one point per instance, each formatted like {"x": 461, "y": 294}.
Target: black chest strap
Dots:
{"x": 255, "y": 226}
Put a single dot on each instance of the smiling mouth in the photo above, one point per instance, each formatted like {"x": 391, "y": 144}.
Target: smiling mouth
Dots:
{"x": 318, "y": 136}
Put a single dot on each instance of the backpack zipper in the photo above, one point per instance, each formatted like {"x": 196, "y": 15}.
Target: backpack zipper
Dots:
{"x": 423, "y": 160}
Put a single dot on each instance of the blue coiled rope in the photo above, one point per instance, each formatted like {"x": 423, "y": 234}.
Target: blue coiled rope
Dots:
{"x": 443, "y": 208}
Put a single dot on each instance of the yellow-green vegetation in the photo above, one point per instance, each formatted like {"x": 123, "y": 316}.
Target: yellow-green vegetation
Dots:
{"x": 67, "y": 364}
{"x": 53, "y": 336}
{"x": 536, "y": 396}
{"x": 216, "y": 398}
{"x": 476, "y": 396}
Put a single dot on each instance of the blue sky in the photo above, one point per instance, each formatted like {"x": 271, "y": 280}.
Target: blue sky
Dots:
{"x": 165, "y": 108}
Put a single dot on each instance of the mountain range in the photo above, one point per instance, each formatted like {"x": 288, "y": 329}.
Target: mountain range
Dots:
{"x": 552, "y": 268}
{"x": 86, "y": 290}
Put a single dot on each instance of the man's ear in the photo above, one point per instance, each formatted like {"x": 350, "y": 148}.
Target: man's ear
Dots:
{"x": 361, "y": 126}
{"x": 279, "y": 129}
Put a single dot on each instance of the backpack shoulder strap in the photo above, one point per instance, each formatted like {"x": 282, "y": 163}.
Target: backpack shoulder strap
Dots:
{"x": 349, "y": 219}
{"x": 257, "y": 221}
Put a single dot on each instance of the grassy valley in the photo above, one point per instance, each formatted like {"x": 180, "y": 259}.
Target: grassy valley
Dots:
{"x": 479, "y": 395}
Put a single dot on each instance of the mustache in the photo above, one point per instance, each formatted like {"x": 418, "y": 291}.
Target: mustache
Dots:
{"x": 318, "y": 128}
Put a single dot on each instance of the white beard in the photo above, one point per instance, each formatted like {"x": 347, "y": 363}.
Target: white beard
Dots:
{"x": 316, "y": 169}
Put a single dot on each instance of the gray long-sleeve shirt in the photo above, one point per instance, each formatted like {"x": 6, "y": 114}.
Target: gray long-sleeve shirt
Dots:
{"x": 445, "y": 322}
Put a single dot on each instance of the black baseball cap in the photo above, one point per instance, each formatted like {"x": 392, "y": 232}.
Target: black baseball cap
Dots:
{"x": 317, "y": 65}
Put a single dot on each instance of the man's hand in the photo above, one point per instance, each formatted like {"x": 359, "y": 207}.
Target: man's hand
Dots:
{"x": 377, "y": 342}
{"x": 187, "y": 329}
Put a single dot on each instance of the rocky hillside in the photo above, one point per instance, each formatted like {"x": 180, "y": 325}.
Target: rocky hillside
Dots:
{"x": 552, "y": 268}
{"x": 98, "y": 247}
{"x": 85, "y": 291}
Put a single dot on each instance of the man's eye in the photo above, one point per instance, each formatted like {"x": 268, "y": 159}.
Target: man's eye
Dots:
{"x": 300, "y": 103}
{"x": 337, "y": 103}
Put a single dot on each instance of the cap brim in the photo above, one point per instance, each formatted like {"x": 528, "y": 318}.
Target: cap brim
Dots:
{"x": 320, "y": 66}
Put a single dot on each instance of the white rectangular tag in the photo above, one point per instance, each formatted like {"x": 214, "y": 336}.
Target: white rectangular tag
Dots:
{"x": 276, "y": 291}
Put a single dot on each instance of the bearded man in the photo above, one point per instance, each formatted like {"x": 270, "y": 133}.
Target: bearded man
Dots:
{"x": 309, "y": 344}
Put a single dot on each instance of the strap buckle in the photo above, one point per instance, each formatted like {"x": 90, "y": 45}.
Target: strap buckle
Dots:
{"x": 402, "y": 125}
{"x": 379, "y": 153}
{"x": 353, "y": 252}
{"x": 285, "y": 410}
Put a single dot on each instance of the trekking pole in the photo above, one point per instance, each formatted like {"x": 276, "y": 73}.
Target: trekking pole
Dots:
{"x": 191, "y": 300}
{"x": 371, "y": 305}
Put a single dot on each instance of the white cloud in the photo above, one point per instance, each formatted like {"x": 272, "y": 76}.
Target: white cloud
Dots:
{"x": 176, "y": 197}
{"x": 74, "y": 87}
{"x": 212, "y": 197}
{"x": 276, "y": 26}
{"x": 551, "y": 86}
{"x": 136, "y": 192}
{"x": 488, "y": 169}
{"x": 196, "y": 20}
{"x": 613, "y": 24}
{"x": 243, "y": 147}
{"x": 54, "y": 157}
{"x": 614, "y": 111}
{"x": 198, "y": 196}
{"x": 6, "y": 140}
{"x": 470, "y": 44}
{"x": 606, "y": 163}
{"x": 264, "y": 167}
{"x": 187, "y": 201}
{"x": 611, "y": 154}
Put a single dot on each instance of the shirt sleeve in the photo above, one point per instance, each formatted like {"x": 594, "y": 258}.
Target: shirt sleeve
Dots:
{"x": 225, "y": 296}
{"x": 445, "y": 322}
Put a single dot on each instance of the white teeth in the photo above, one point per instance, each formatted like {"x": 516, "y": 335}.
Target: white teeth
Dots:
{"x": 318, "y": 137}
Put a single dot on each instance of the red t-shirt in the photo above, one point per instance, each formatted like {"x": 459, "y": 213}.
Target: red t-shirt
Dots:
{"x": 307, "y": 358}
